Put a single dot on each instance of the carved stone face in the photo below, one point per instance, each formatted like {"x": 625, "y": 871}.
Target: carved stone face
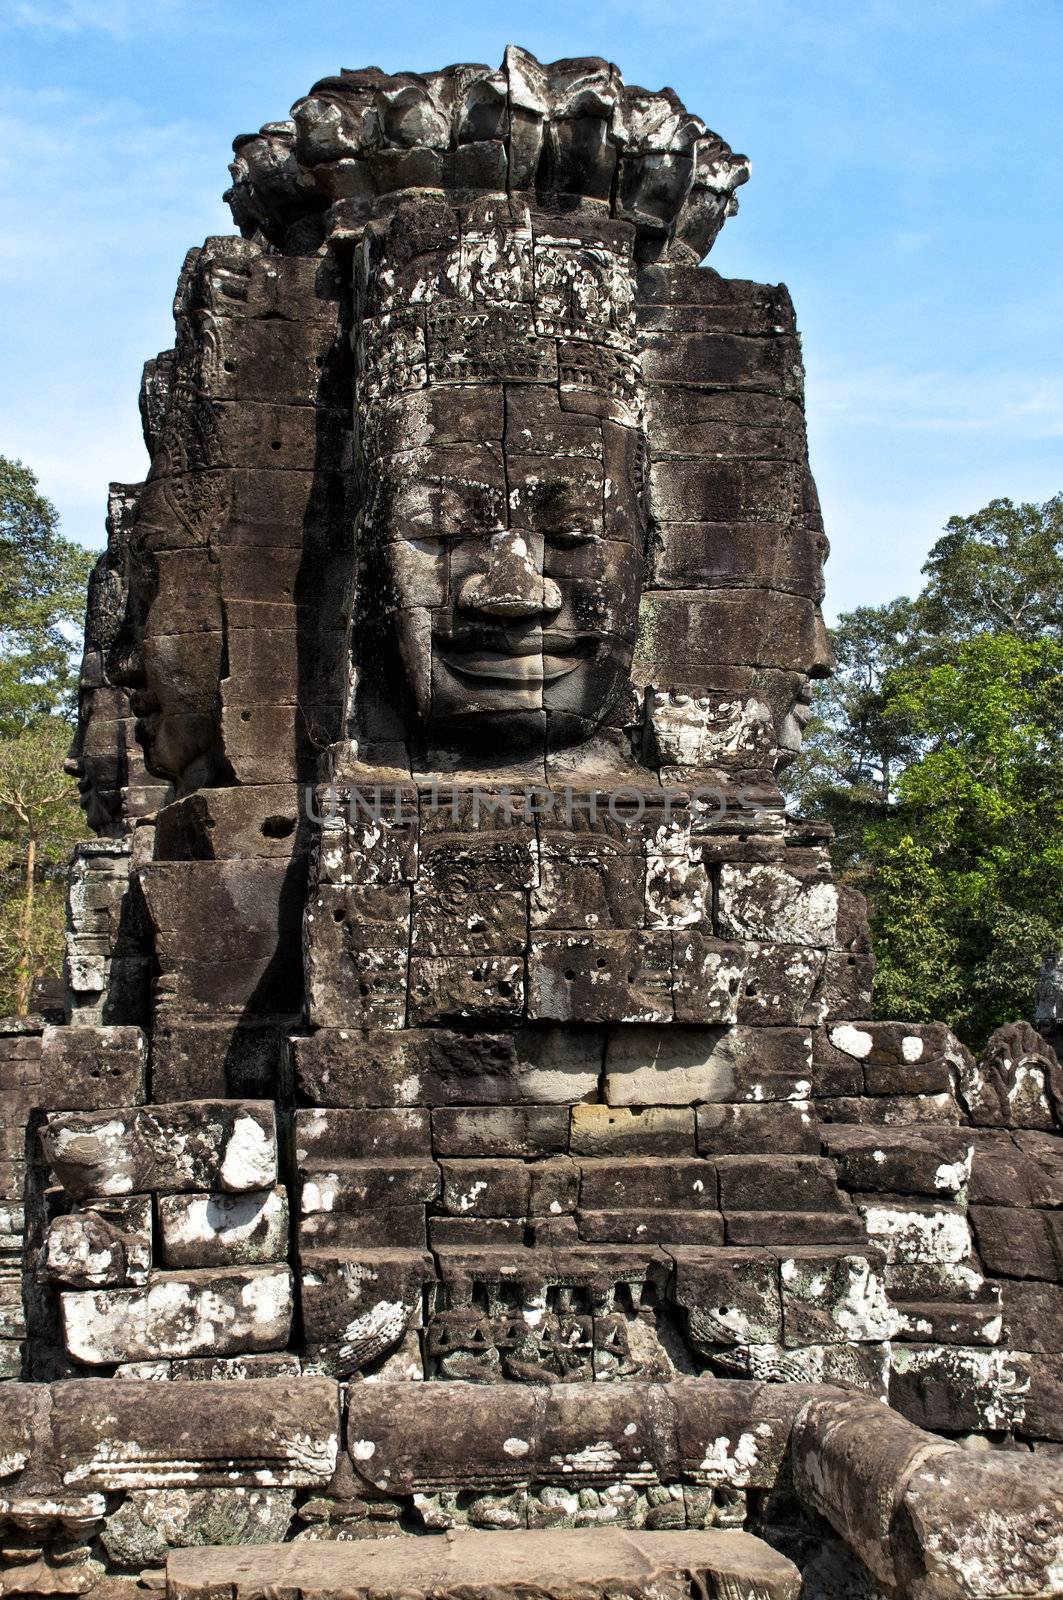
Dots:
{"x": 509, "y": 571}
{"x": 96, "y": 758}
{"x": 178, "y": 734}
{"x": 795, "y": 716}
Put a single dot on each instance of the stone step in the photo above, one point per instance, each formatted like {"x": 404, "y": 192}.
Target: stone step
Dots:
{"x": 555, "y": 1565}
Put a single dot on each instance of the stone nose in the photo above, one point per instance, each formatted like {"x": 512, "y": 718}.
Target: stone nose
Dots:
{"x": 825, "y": 662}
{"x": 511, "y": 584}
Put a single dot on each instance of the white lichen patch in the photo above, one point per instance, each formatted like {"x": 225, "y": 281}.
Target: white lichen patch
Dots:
{"x": 852, "y": 1041}
{"x": 729, "y": 1463}
{"x": 951, "y": 1177}
{"x": 250, "y": 1160}
{"x": 592, "y": 1459}
{"x": 911, "y": 1235}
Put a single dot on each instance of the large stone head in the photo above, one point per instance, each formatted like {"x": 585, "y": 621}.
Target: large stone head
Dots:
{"x": 502, "y": 531}
{"x": 496, "y": 220}
{"x": 566, "y": 434}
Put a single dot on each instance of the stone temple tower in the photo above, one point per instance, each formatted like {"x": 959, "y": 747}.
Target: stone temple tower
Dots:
{"x": 467, "y": 1165}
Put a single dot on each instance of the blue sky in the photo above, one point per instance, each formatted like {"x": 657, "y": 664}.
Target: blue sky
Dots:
{"x": 907, "y": 185}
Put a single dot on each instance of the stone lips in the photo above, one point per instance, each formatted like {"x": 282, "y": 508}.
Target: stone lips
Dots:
{"x": 571, "y": 131}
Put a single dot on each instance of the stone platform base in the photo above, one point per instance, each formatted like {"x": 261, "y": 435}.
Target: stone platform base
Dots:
{"x": 555, "y": 1565}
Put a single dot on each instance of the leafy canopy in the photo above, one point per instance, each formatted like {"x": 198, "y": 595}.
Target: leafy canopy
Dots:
{"x": 937, "y": 753}
{"x": 42, "y": 603}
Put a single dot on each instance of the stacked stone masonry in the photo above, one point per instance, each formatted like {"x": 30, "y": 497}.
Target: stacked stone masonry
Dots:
{"x": 467, "y": 1090}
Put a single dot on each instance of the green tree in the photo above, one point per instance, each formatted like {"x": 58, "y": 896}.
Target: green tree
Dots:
{"x": 979, "y": 809}
{"x": 40, "y": 823}
{"x": 936, "y": 755}
{"x": 998, "y": 571}
{"x": 42, "y": 603}
{"x": 43, "y": 578}
{"x": 853, "y": 751}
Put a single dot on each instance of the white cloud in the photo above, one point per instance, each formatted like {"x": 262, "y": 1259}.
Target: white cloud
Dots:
{"x": 1008, "y": 405}
{"x": 118, "y": 18}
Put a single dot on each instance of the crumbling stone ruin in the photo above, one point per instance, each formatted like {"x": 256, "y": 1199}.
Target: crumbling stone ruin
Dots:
{"x": 466, "y": 1123}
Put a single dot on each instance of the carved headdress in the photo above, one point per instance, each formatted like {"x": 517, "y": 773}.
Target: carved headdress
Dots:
{"x": 570, "y": 135}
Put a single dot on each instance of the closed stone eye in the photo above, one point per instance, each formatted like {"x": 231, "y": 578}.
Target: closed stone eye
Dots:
{"x": 569, "y": 538}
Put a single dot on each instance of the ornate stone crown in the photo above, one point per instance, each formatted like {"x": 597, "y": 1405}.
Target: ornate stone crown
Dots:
{"x": 570, "y": 133}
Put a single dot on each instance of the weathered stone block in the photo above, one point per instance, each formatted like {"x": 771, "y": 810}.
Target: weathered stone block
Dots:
{"x": 194, "y": 907}
{"x": 599, "y": 884}
{"x": 476, "y": 1233}
{"x": 485, "y": 1188}
{"x": 362, "y": 1186}
{"x": 623, "y": 1131}
{"x": 793, "y": 1228}
{"x": 670, "y": 1185}
{"x": 24, "y": 1422}
{"x": 399, "y": 1227}
{"x": 213, "y": 1230}
{"x": 830, "y": 1298}
{"x": 1020, "y": 1244}
{"x": 216, "y": 1060}
{"x": 150, "y": 1523}
{"x": 651, "y": 1227}
{"x": 683, "y": 1066}
{"x": 685, "y": 636}
{"x": 211, "y": 1369}
{"x": 331, "y": 1134}
{"x": 985, "y": 1528}
{"x": 106, "y": 1244}
{"x": 789, "y": 1128}
{"x": 778, "y": 1183}
{"x": 500, "y": 1130}
{"x": 653, "y": 1066}
{"x": 199, "y": 1313}
{"x": 125, "y": 1436}
{"x": 730, "y": 1297}
{"x": 86, "y": 1068}
{"x": 850, "y": 1458}
{"x": 488, "y": 923}
{"x": 951, "y": 1389}
{"x": 448, "y": 988}
{"x": 238, "y": 823}
{"x": 917, "y": 1161}
{"x": 1032, "y": 1316}
{"x": 356, "y": 952}
{"x": 600, "y": 977}
{"x": 1002, "y": 1175}
{"x": 771, "y": 903}
{"x": 439, "y": 1067}
{"x": 358, "y": 1303}
{"x": 911, "y": 1231}
{"x": 229, "y": 1145}
{"x": 638, "y": 1564}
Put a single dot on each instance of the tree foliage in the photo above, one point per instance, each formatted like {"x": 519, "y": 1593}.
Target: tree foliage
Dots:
{"x": 39, "y": 825}
{"x": 42, "y": 603}
{"x": 42, "y": 599}
{"x": 936, "y": 754}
